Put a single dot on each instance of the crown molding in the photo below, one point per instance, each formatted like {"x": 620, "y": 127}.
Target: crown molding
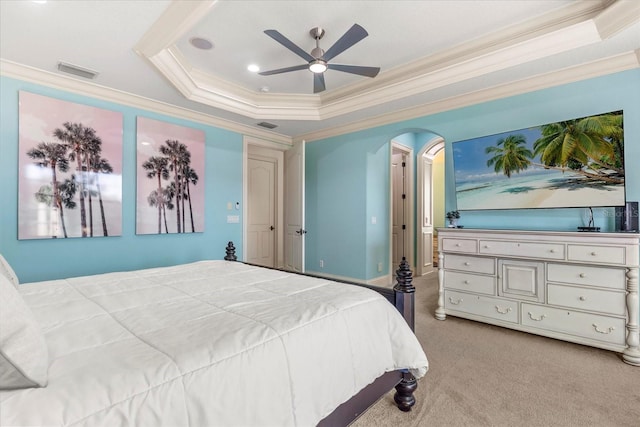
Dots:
{"x": 614, "y": 64}
{"x": 617, "y": 17}
{"x": 178, "y": 18}
{"x": 93, "y": 90}
{"x": 577, "y": 25}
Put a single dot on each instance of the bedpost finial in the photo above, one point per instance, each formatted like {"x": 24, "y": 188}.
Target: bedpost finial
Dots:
{"x": 231, "y": 252}
{"x": 405, "y": 279}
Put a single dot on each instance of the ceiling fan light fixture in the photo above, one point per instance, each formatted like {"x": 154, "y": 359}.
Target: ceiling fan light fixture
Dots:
{"x": 318, "y": 66}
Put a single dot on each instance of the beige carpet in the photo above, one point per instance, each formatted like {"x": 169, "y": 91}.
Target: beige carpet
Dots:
{"x": 483, "y": 375}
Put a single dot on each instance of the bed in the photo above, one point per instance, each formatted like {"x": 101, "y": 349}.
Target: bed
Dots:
{"x": 207, "y": 343}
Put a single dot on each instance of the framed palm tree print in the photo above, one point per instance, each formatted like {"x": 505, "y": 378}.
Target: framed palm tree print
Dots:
{"x": 70, "y": 169}
{"x": 170, "y": 178}
{"x": 568, "y": 164}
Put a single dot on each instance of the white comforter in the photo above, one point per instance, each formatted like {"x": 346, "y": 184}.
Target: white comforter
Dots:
{"x": 208, "y": 343}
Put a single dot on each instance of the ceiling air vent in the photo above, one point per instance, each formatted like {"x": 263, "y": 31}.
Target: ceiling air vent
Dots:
{"x": 267, "y": 125}
{"x": 77, "y": 71}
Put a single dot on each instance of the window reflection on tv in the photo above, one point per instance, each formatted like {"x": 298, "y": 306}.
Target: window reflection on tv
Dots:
{"x": 568, "y": 164}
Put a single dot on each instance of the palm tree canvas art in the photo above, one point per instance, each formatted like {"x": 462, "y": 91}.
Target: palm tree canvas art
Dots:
{"x": 569, "y": 164}
{"x": 170, "y": 176}
{"x": 70, "y": 167}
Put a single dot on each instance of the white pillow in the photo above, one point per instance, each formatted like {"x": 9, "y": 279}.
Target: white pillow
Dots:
{"x": 7, "y": 271}
{"x": 24, "y": 358}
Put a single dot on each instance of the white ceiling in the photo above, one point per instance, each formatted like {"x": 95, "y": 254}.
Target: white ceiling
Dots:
{"x": 433, "y": 55}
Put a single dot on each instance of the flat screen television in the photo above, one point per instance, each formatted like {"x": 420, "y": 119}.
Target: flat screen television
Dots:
{"x": 569, "y": 164}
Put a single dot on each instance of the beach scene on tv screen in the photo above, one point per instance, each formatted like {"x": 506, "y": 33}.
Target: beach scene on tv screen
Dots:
{"x": 572, "y": 163}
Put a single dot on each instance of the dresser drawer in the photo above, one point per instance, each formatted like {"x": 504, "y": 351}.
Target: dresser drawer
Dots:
{"x": 494, "y": 308}
{"x": 603, "y": 277}
{"x": 593, "y": 326}
{"x": 470, "y": 263}
{"x": 459, "y": 245}
{"x": 522, "y": 249}
{"x": 470, "y": 282}
{"x": 596, "y": 254}
{"x": 609, "y": 302}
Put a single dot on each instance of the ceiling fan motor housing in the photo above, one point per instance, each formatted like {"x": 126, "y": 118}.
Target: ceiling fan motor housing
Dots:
{"x": 317, "y": 32}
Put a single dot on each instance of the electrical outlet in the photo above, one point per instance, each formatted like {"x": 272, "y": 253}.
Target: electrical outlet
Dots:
{"x": 379, "y": 267}
{"x": 321, "y": 263}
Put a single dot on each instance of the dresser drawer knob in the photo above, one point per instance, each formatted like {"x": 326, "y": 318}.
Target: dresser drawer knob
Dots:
{"x": 467, "y": 264}
{"x": 455, "y": 303}
{"x": 593, "y": 254}
{"x": 503, "y": 311}
{"x": 542, "y": 316}
{"x": 457, "y": 245}
{"x": 582, "y": 275}
{"x": 606, "y": 331}
{"x": 553, "y": 251}
{"x": 582, "y": 298}
{"x": 466, "y": 282}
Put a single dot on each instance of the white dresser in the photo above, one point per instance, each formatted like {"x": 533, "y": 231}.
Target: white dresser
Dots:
{"x": 573, "y": 286}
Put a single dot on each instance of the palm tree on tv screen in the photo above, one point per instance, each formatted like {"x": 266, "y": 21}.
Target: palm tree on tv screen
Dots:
{"x": 592, "y": 147}
{"x": 510, "y": 155}
{"x": 593, "y": 142}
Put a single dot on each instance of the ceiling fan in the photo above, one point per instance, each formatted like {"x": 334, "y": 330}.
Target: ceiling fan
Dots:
{"x": 318, "y": 59}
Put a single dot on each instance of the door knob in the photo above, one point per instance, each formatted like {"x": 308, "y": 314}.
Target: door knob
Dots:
{"x": 272, "y": 228}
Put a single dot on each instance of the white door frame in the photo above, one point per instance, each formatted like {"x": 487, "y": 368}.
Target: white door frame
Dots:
{"x": 409, "y": 234}
{"x": 269, "y": 149}
{"x": 430, "y": 149}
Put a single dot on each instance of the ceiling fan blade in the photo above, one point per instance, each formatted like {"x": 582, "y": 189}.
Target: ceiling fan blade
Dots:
{"x": 274, "y": 34}
{"x": 348, "y": 39}
{"x": 355, "y": 69}
{"x": 285, "y": 70}
{"x": 318, "y": 82}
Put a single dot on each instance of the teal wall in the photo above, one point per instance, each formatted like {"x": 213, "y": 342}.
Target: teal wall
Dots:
{"x": 347, "y": 183}
{"x": 338, "y": 168}
{"x": 35, "y": 260}
{"x": 336, "y": 205}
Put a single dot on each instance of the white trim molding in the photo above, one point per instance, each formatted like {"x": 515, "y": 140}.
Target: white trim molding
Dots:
{"x": 623, "y": 62}
{"x": 93, "y": 90}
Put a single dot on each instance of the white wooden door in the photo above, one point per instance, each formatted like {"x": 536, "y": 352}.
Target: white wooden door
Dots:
{"x": 399, "y": 240}
{"x": 261, "y": 199}
{"x": 294, "y": 208}
{"x": 427, "y": 217}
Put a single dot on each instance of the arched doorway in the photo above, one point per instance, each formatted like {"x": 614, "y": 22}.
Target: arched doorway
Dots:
{"x": 429, "y": 202}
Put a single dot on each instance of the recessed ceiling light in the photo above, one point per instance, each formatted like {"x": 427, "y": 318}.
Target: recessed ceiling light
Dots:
{"x": 253, "y": 68}
{"x": 201, "y": 43}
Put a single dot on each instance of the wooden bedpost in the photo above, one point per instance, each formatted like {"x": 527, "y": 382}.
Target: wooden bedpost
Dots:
{"x": 405, "y": 302}
{"x": 231, "y": 252}
{"x": 405, "y": 293}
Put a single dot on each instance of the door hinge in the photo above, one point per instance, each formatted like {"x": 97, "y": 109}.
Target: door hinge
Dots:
{"x": 404, "y": 227}
{"x": 404, "y": 196}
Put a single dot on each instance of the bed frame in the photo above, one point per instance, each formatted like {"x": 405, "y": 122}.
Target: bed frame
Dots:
{"x": 402, "y": 296}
